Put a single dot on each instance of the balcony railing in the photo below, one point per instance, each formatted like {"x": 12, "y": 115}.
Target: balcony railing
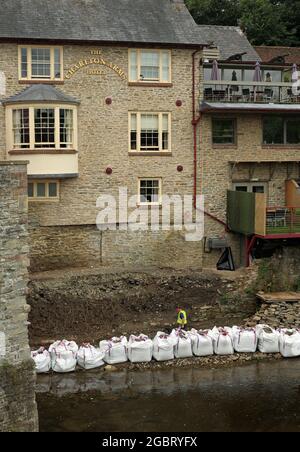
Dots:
{"x": 250, "y": 92}
{"x": 283, "y": 220}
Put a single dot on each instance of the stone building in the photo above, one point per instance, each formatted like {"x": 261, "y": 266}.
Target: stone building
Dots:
{"x": 100, "y": 95}
{"x": 95, "y": 107}
{"x": 249, "y": 150}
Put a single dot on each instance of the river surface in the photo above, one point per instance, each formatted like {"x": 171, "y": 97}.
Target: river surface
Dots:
{"x": 260, "y": 397}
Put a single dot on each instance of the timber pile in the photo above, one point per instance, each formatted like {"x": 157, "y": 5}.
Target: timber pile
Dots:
{"x": 279, "y": 297}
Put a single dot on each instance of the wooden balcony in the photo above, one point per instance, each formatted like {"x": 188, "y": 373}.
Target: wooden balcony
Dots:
{"x": 248, "y": 214}
{"x": 250, "y": 92}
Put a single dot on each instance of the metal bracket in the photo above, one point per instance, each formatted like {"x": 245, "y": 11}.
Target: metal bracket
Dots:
{"x": 252, "y": 168}
{"x": 272, "y": 169}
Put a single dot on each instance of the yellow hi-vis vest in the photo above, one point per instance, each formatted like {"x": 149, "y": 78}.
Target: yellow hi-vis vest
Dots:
{"x": 183, "y": 320}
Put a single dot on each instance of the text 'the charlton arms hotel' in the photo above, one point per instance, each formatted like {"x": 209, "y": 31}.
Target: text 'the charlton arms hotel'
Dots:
{"x": 102, "y": 94}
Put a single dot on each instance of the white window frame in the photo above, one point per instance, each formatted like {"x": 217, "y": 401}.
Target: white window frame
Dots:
{"x": 45, "y": 198}
{"x": 52, "y": 63}
{"x": 138, "y": 79}
{"x": 159, "y": 202}
{"x": 160, "y": 131}
{"x": 32, "y": 145}
{"x": 250, "y": 186}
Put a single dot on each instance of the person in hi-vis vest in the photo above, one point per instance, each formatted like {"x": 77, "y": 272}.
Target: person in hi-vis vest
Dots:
{"x": 181, "y": 318}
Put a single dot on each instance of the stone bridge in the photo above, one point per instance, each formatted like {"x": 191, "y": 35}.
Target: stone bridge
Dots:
{"x": 18, "y": 411}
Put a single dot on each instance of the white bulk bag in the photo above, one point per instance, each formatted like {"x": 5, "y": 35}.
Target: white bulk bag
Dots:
{"x": 89, "y": 357}
{"x": 244, "y": 340}
{"x": 202, "y": 343}
{"x": 63, "y": 356}
{"x": 140, "y": 349}
{"x": 42, "y": 360}
{"x": 223, "y": 341}
{"x": 115, "y": 350}
{"x": 163, "y": 348}
{"x": 182, "y": 343}
{"x": 268, "y": 339}
{"x": 289, "y": 343}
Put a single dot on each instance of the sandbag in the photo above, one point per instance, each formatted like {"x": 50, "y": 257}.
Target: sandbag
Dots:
{"x": 115, "y": 350}
{"x": 163, "y": 348}
{"x": 63, "y": 356}
{"x": 289, "y": 343}
{"x": 202, "y": 342}
{"x": 268, "y": 339}
{"x": 223, "y": 341}
{"x": 89, "y": 357}
{"x": 244, "y": 340}
{"x": 42, "y": 360}
{"x": 182, "y": 343}
{"x": 140, "y": 349}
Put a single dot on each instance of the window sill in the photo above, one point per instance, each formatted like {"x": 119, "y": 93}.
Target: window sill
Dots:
{"x": 39, "y": 82}
{"x": 43, "y": 200}
{"x": 227, "y": 146}
{"x": 281, "y": 146}
{"x": 151, "y": 84}
{"x": 147, "y": 205}
{"x": 150, "y": 153}
{"x": 42, "y": 151}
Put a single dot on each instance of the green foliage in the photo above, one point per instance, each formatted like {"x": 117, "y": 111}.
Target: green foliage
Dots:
{"x": 215, "y": 12}
{"x": 269, "y": 22}
{"x": 297, "y": 285}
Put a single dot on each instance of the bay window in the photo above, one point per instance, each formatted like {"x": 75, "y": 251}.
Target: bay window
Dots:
{"x": 150, "y": 132}
{"x": 150, "y": 66}
{"x": 40, "y": 63}
{"x": 45, "y": 127}
{"x": 21, "y": 133}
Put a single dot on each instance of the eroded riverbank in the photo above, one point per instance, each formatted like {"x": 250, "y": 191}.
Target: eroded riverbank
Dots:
{"x": 260, "y": 396}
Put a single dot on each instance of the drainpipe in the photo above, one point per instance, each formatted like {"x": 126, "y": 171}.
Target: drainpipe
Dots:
{"x": 195, "y": 122}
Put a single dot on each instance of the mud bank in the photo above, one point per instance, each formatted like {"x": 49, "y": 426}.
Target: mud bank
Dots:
{"x": 96, "y": 305}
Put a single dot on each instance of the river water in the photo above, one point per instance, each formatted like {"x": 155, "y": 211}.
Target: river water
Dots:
{"x": 258, "y": 397}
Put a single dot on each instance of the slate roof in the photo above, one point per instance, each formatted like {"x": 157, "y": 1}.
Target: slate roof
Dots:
{"x": 230, "y": 40}
{"x": 267, "y": 53}
{"x": 105, "y": 21}
{"x": 40, "y": 93}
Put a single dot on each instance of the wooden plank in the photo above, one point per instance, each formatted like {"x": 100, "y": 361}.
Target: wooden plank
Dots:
{"x": 292, "y": 193}
{"x": 260, "y": 214}
{"x": 279, "y": 297}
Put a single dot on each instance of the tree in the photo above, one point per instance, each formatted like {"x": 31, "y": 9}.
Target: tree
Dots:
{"x": 290, "y": 14}
{"x": 215, "y": 12}
{"x": 262, "y": 22}
{"x": 270, "y": 22}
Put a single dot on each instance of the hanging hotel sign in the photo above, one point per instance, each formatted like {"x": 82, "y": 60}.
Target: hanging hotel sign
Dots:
{"x": 95, "y": 59}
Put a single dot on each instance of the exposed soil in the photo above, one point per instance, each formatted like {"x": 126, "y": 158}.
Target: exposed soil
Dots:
{"x": 89, "y": 305}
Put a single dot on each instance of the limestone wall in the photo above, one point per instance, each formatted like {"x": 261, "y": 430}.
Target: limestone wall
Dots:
{"x": 17, "y": 378}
